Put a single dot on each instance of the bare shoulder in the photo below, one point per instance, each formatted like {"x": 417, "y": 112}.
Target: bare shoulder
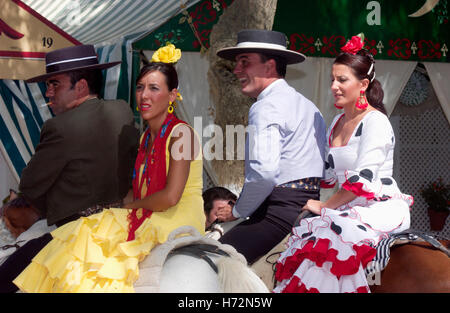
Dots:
{"x": 184, "y": 140}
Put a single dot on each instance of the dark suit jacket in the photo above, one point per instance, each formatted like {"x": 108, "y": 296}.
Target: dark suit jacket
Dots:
{"x": 85, "y": 157}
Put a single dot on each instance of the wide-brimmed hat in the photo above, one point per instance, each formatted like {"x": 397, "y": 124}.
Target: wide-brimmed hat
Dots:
{"x": 70, "y": 59}
{"x": 261, "y": 41}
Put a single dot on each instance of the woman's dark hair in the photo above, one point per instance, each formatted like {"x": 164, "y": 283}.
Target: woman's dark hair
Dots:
{"x": 360, "y": 64}
{"x": 216, "y": 193}
{"x": 166, "y": 68}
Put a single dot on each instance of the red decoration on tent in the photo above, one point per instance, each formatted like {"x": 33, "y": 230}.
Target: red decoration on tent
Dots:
{"x": 401, "y": 48}
{"x": 9, "y": 31}
{"x": 204, "y": 37}
{"x": 204, "y": 15}
{"x": 371, "y": 46}
{"x": 429, "y": 49}
{"x": 301, "y": 43}
{"x": 332, "y": 45}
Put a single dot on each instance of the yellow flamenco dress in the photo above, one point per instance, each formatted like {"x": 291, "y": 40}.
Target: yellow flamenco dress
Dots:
{"x": 92, "y": 254}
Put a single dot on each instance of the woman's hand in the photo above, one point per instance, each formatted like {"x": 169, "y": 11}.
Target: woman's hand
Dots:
{"x": 128, "y": 198}
{"x": 314, "y": 206}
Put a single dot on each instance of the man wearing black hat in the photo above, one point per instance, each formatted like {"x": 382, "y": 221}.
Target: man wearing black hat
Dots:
{"x": 284, "y": 148}
{"x": 86, "y": 153}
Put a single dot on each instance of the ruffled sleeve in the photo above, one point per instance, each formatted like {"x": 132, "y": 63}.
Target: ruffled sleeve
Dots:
{"x": 376, "y": 141}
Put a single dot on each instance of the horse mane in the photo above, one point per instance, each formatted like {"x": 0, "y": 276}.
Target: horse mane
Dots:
{"x": 236, "y": 276}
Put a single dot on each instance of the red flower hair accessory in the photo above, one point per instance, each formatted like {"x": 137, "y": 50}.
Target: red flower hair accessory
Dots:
{"x": 355, "y": 44}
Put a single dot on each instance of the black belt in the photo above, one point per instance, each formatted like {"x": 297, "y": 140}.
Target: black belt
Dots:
{"x": 89, "y": 211}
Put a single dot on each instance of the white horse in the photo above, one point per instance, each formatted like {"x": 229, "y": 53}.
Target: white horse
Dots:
{"x": 169, "y": 269}
{"x": 166, "y": 270}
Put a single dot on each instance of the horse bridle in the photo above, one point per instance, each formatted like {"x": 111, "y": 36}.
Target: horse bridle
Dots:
{"x": 201, "y": 251}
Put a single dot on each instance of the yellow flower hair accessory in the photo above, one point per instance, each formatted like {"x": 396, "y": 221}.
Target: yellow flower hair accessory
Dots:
{"x": 167, "y": 54}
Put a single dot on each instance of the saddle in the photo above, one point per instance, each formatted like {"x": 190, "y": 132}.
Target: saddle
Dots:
{"x": 382, "y": 257}
{"x": 194, "y": 244}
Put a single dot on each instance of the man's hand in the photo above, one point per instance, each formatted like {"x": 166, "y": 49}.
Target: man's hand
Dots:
{"x": 225, "y": 213}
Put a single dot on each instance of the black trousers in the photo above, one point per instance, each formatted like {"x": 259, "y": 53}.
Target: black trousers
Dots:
{"x": 270, "y": 223}
{"x": 18, "y": 261}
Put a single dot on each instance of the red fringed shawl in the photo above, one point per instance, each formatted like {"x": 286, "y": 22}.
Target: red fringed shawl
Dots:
{"x": 154, "y": 172}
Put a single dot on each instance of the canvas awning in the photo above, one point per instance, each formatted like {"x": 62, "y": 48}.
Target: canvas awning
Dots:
{"x": 101, "y": 22}
{"x": 25, "y": 38}
{"x": 30, "y": 28}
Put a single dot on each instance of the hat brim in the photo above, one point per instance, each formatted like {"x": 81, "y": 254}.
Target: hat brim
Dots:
{"x": 44, "y": 77}
{"x": 291, "y": 57}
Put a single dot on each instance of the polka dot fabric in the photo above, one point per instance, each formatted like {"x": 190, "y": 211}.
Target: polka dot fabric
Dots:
{"x": 328, "y": 253}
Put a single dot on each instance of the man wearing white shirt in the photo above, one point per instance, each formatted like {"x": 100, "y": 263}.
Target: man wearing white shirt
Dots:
{"x": 284, "y": 151}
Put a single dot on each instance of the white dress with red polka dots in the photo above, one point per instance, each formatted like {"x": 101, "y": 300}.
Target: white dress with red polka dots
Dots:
{"x": 328, "y": 253}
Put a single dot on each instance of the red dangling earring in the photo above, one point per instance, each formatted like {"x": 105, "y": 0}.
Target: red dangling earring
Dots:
{"x": 338, "y": 107}
{"x": 361, "y": 103}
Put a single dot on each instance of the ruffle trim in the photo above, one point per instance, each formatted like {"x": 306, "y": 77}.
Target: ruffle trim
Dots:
{"x": 327, "y": 184}
{"x": 358, "y": 189}
{"x": 319, "y": 252}
{"x": 90, "y": 254}
{"x": 297, "y": 286}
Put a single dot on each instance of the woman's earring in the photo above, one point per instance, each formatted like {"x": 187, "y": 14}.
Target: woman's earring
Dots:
{"x": 362, "y": 103}
{"x": 170, "y": 108}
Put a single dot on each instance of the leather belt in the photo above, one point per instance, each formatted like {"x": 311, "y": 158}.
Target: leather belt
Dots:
{"x": 309, "y": 183}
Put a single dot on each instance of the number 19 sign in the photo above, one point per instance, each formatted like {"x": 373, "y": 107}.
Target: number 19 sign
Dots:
{"x": 25, "y": 38}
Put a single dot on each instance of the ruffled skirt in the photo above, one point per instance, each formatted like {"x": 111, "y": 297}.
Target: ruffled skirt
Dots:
{"x": 90, "y": 254}
{"x": 329, "y": 253}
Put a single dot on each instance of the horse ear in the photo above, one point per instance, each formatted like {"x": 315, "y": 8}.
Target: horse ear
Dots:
{"x": 13, "y": 194}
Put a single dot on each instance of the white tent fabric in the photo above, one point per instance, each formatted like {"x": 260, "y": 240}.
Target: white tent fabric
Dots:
{"x": 22, "y": 113}
{"x": 105, "y": 22}
{"x": 393, "y": 76}
{"x": 7, "y": 180}
{"x": 313, "y": 78}
{"x": 439, "y": 75}
{"x": 112, "y": 26}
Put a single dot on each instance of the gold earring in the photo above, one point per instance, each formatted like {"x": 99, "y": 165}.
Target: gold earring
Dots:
{"x": 170, "y": 108}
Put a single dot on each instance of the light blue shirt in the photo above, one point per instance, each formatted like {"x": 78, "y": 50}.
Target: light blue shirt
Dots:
{"x": 285, "y": 141}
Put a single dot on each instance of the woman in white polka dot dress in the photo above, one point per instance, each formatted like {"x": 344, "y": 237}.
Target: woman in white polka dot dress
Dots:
{"x": 328, "y": 253}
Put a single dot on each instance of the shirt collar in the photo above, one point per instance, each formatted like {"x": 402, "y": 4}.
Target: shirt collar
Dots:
{"x": 267, "y": 90}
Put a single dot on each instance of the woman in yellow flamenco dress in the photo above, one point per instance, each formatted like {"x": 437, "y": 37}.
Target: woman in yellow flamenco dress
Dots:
{"x": 101, "y": 252}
